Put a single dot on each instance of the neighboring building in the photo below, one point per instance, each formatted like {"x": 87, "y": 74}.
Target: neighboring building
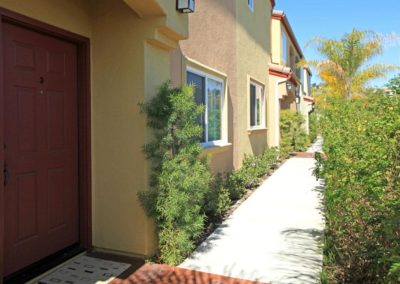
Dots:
{"x": 74, "y": 72}
{"x": 306, "y": 100}
{"x": 227, "y": 57}
{"x": 289, "y": 82}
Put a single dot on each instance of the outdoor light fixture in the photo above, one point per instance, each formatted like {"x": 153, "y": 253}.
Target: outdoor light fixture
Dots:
{"x": 297, "y": 100}
{"x": 289, "y": 85}
{"x": 185, "y": 6}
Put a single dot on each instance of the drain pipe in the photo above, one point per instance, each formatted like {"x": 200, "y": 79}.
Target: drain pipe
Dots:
{"x": 277, "y": 110}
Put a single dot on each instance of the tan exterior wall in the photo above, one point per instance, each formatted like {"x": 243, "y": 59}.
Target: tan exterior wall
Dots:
{"x": 130, "y": 59}
{"x": 254, "y": 55}
{"x": 276, "y": 41}
{"x": 56, "y": 12}
{"x": 212, "y": 44}
{"x": 226, "y": 36}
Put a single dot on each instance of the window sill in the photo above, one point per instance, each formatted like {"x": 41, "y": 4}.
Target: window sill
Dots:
{"x": 256, "y": 129}
{"x": 216, "y": 148}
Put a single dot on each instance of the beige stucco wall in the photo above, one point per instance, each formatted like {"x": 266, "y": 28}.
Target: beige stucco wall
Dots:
{"x": 228, "y": 37}
{"x": 276, "y": 41}
{"x": 274, "y": 108}
{"x": 130, "y": 59}
{"x": 56, "y": 12}
{"x": 212, "y": 44}
{"x": 254, "y": 55}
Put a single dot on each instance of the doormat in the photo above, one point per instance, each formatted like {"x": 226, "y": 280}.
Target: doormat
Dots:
{"x": 84, "y": 270}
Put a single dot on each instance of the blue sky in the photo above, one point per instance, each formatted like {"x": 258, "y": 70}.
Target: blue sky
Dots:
{"x": 333, "y": 18}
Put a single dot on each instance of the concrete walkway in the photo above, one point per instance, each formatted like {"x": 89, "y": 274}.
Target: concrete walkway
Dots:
{"x": 275, "y": 236}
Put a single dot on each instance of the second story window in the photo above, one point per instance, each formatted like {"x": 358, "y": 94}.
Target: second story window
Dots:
{"x": 284, "y": 49}
{"x": 298, "y": 68}
{"x": 250, "y": 3}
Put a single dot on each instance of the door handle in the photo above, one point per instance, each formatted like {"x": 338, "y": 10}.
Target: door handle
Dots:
{"x": 6, "y": 174}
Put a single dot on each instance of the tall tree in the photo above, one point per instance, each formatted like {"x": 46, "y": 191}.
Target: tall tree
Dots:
{"x": 394, "y": 84}
{"x": 344, "y": 68}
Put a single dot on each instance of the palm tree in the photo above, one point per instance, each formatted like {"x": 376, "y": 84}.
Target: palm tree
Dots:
{"x": 344, "y": 69}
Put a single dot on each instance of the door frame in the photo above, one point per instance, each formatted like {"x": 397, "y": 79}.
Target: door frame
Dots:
{"x": 84, "y": 122}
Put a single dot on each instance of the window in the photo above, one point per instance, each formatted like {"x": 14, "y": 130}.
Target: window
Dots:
{"x": 298, "y": 68}
{"x": 257, "y": 106}
{"x": 209, "y": 91}
{"x": 250, "y": 3}
{"x": 284, "y": 49}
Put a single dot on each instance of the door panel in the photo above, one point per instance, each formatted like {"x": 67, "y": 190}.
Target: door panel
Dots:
{"x": 41, "y": 152}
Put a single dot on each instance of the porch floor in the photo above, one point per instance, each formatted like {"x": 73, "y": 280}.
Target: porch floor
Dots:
{"x": 93, "y": 267}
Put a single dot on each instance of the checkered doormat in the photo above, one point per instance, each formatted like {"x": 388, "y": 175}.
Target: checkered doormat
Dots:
{"x": 84, "y": 270}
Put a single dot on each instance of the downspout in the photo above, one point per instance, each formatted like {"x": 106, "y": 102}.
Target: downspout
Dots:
{"x": 277, "y": 110}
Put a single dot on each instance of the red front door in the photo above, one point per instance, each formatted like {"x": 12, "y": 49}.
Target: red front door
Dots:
{"x": 41, "y": 149}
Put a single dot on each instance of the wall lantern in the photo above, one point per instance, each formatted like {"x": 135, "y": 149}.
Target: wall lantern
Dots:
{"x": 289, "y": 85}
{"x": 185, "y": 6}
{"x": 298, "y": 100}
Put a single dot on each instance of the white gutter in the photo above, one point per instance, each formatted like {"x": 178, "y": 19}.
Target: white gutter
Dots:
{"x": 280, "y": 68}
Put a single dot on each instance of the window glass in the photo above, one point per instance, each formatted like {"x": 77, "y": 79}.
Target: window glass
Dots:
{"x": 214, "y": 93}
{"x": 257, "y": 107}
{"x": 251, "y": 4}
{"x": 284, "y": 48}
{"x": 252, "y": 104}
{"x": 199, "y": 84}
{"x": 298, "y": 69}
{"x": 208, "y": 92}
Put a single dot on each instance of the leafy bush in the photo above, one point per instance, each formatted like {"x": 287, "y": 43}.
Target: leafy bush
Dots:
{"x": 313, "y": 126}
{"x": 251, "y": 172}
{"x": 183, "y": 195}
{"x": 183, "y": 185}
{"x": 218, "y": 200}
{"x": 362, "y": 195}
{"x": 293, "y": 135}
{"x": 393, "y": 276}
{"x": 180, "y": 180}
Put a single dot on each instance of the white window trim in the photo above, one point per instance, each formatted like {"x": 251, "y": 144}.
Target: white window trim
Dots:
{"x": 250, "y": 3}
{"x": 263, "y": 106}
{"x": 224, "y": 120}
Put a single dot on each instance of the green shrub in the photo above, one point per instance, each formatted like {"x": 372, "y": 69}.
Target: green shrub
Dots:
{"x": 236, "y": 184}
{"x": 313, "y": 126}
{"x": 362, "y": 195}
{"x": 393, "y": 276}
{"x": 251, "y": 172}
{"x": 293, "y": 135}
{"x": 218, "y": 200}
{"x": 180, "y": 180}
{"x": 183, "y": 186}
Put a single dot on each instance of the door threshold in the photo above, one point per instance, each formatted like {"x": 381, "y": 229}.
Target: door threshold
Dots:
{"x": 26, "y": 275}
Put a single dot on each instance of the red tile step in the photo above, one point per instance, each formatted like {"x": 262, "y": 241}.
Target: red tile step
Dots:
{"x": 164, "y": 274}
